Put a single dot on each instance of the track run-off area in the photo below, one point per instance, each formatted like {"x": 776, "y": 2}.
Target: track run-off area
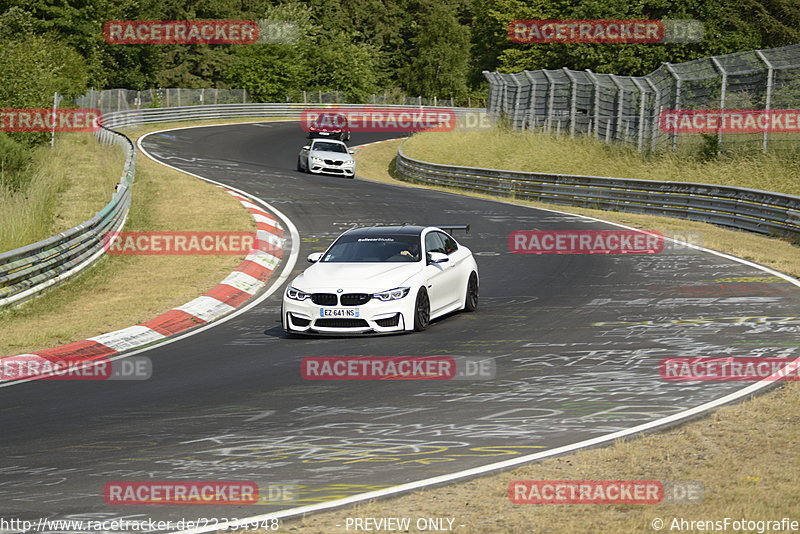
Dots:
{"x": 576, "y": 340}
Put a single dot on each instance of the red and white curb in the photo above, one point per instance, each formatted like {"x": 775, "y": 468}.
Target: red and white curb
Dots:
{"x": 250, "y": 277}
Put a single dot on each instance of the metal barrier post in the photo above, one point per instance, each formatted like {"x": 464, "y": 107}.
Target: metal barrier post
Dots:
{"x": 768, "y": 98}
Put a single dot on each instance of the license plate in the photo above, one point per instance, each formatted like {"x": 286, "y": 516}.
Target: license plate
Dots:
{"x": 327, "y": 312}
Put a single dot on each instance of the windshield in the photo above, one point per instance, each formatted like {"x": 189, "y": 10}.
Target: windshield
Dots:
{"x": 327, "y": 121}
{"x": 327, "y": 146}
{"x": 374, "y": 248}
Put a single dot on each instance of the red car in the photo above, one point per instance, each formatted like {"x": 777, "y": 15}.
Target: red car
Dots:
{"x": 330, "y": 124}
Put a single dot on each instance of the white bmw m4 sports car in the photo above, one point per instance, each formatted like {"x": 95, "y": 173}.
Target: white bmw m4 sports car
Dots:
{"x": 381, "y": 280}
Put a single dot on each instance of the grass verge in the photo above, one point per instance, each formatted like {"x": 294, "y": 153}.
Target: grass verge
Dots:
{"x": 539, "y": 152}
{"x": 123, "y": 290}
{"x": 744, "y": 455}
{"x": 68, "y": 185}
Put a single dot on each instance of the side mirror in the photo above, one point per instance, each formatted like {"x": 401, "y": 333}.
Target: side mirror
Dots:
{"x": 314, "y": 257}
{"x": 307, "y": 147}
{"x": 437, "y": 257}
{"x": 351, "y": 151}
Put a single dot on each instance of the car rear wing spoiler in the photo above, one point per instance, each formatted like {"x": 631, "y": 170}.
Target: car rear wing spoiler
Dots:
{"x": 452, "y": 227}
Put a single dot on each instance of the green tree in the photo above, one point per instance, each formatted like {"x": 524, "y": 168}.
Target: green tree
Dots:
{"x": 336, "y": 63}
{"x": 442, "y": 46}
{"x": 34, "y": 67}
{"x": 273, "y": 72}
{"x": 730, "y": 26}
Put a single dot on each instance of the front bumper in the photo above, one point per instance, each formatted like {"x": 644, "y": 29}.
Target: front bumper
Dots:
{"x": 374, "y": 317}
{"x": 323, "y": 168}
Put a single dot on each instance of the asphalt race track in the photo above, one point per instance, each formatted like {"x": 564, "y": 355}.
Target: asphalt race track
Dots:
{"x": 577, "y": 340}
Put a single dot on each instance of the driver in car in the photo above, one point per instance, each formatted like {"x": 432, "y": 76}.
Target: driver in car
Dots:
{"x": 412, "y": 252}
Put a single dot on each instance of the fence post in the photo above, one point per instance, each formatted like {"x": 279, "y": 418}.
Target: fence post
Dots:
{"x": 532, "y": 102}
{"x": 56, "y": 101}
{"x": 517, "y": 101}
{"x": 656, "y": 114}
{"x": 770, "y": 83}
{"x": 640, "y": 126}
{"x": 596, "y": 102}
{"x": 722, "y": 94}
{"x": 573, "y": 102}
{"x": 550, "y": 100}
{"x": 620, "y": 105}
{"x": 491, "y": 105}
{"x": 677, "y": 99}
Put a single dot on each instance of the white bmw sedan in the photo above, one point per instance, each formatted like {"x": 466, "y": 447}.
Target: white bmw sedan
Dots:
{"x": 381, "y": 279}
{"x": 327, "y": 156}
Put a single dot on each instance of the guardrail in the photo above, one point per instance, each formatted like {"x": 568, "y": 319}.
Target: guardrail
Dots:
{"x": 133, "y": 117}
{"x": 29, "y": 270}
{"x": 752, "y": 210}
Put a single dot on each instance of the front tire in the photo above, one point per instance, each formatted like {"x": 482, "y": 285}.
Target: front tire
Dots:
{"x": 299, "y": 165}
{"x": 422, "y": 311}
{"x": 471, "y": 299}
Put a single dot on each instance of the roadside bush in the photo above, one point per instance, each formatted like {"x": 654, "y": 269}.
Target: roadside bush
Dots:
{"x": 15, "y": 162}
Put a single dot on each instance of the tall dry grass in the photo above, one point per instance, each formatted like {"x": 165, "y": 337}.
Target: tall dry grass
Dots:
{"x": 68, "y": 185}
{"x": 538, "y": 152}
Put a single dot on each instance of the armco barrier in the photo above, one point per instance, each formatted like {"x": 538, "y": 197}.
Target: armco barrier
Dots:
{"x": 752, "y": 210}
{"x": 28, "y": 270}
{"x": 134, "y": 117}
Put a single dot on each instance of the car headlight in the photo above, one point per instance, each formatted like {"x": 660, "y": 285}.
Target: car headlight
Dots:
{"x": 350, "y": 163}
{"x": 392, "y": 294}
{"x": 295, "y": 294}
{"x": 316, "y": 159}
